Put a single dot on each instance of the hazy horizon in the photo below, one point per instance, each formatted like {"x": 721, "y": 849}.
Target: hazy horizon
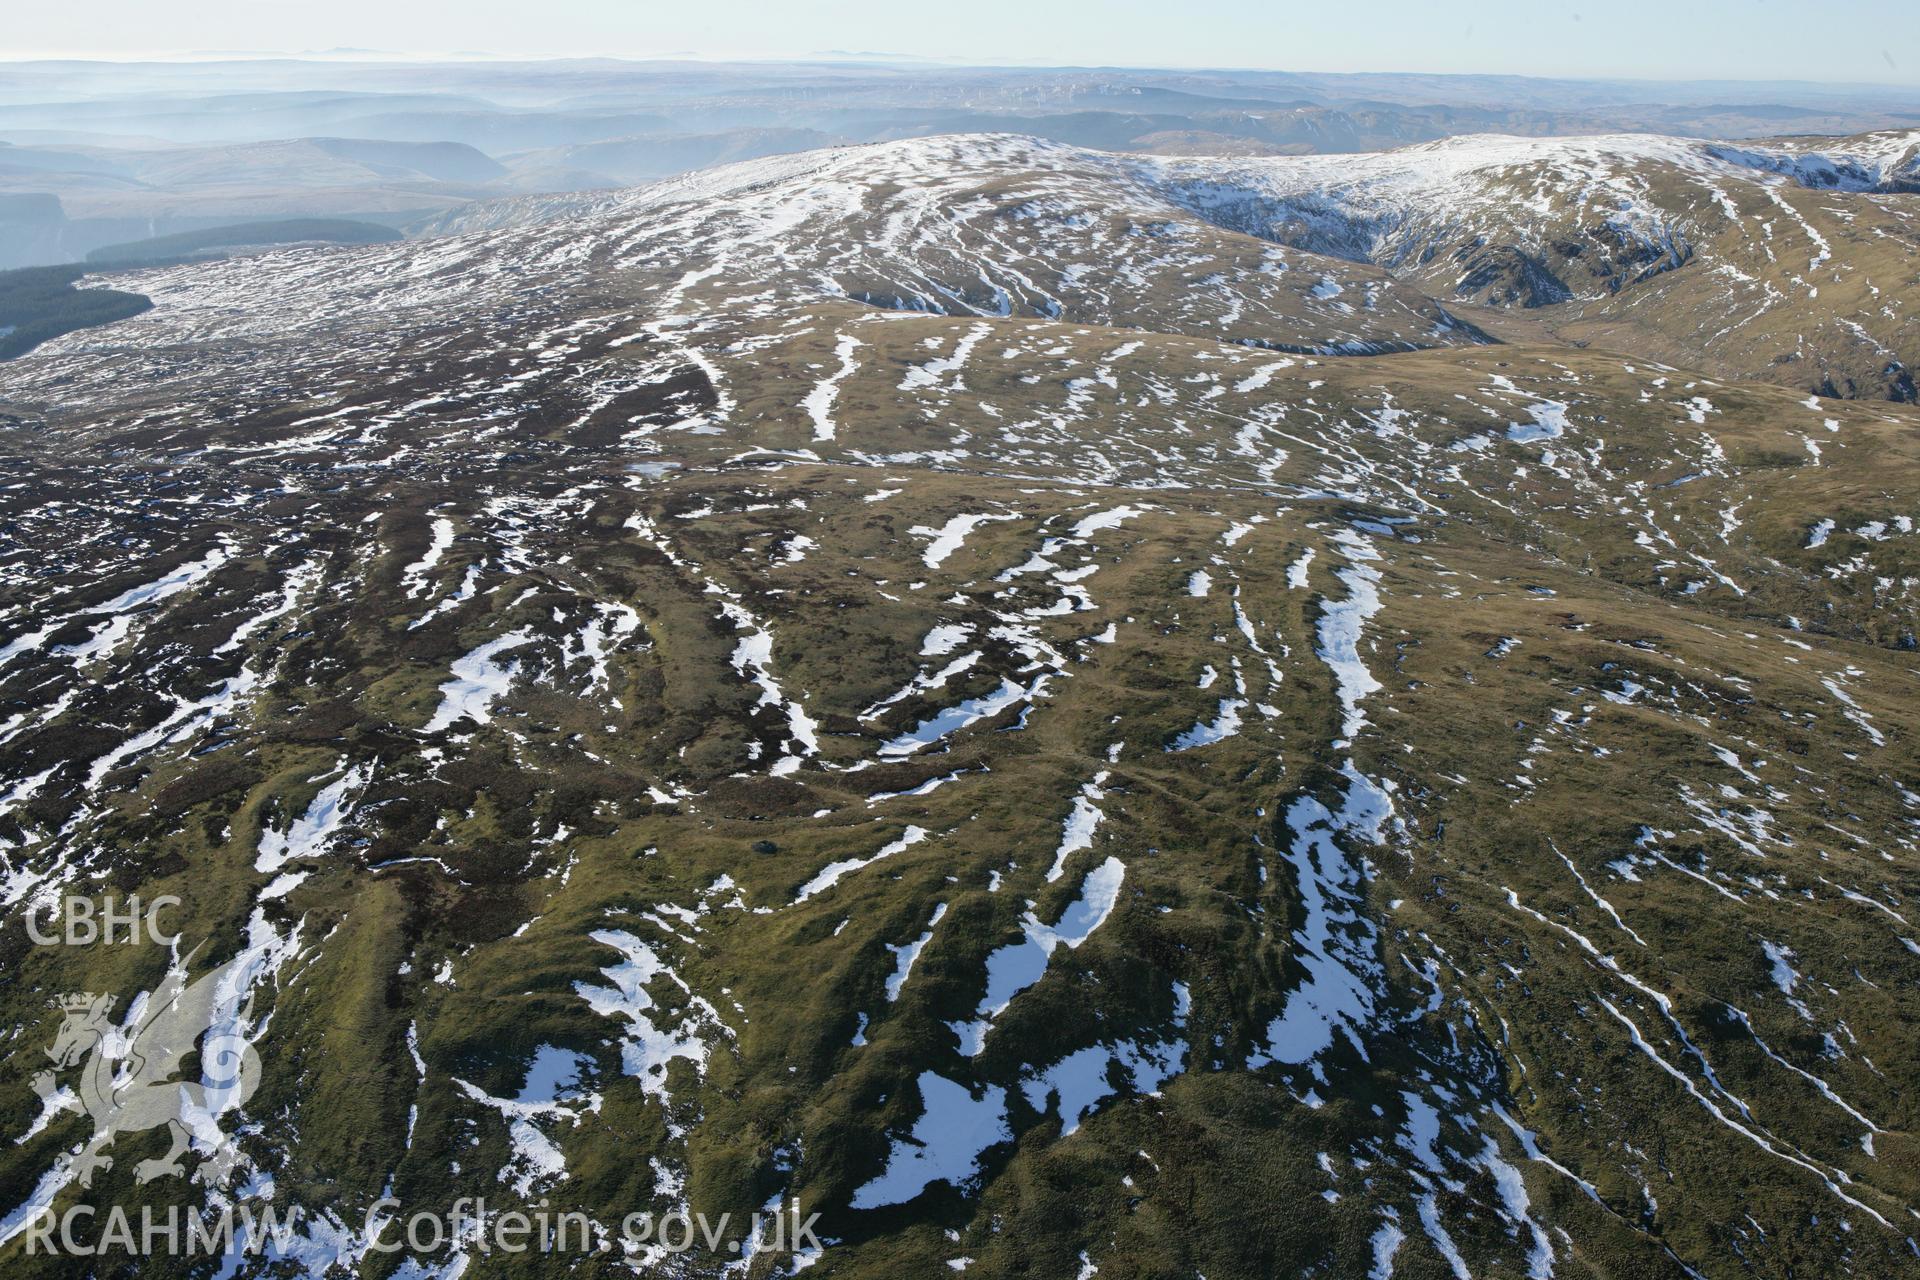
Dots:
{"x": 1867, "y": 44}
{"x": 348, "y": 57}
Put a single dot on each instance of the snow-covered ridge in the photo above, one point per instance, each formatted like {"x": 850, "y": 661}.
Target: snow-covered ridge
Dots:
{"x": 942, "y": 156}
{"x": 871, "y": 205}
{"x": 1449, "y": 166}
{"x": 1887, "y": 161}
{"x": 1425, "y": 165}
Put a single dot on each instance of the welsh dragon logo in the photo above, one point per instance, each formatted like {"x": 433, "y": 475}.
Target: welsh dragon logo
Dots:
{"x": 129, "y": 1072}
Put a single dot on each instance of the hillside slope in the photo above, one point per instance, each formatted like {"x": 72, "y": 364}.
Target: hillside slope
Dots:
{"x": 1789, "y": 262}
{"x": 940, "y": 682}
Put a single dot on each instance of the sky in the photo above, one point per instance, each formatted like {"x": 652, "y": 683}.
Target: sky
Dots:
{"x": 1847, "y": 41}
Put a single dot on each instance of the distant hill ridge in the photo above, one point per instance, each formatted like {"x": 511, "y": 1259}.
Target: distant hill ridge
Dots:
{"x": 190, "y": 244}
